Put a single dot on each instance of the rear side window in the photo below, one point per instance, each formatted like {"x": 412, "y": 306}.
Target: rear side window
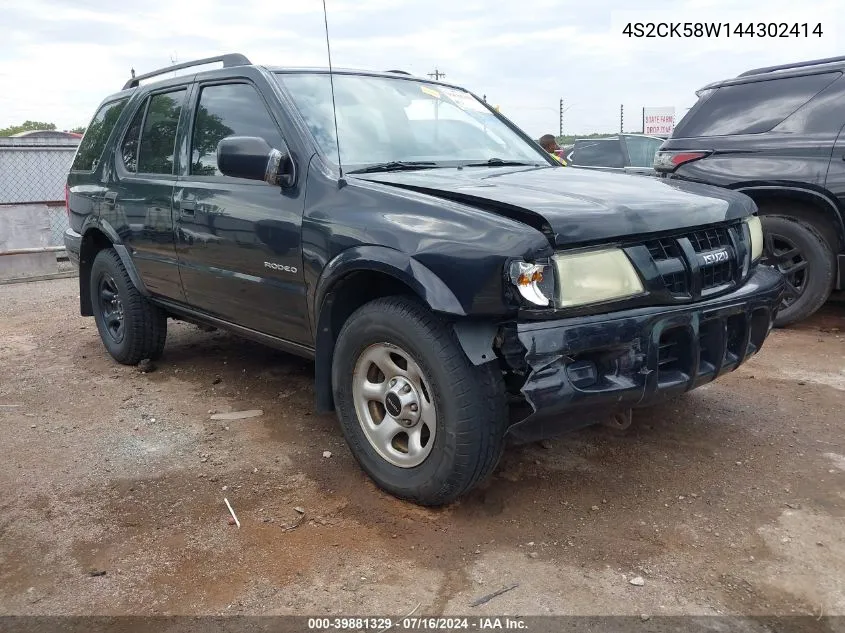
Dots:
{"x": 598, "y": 153}
{"x": 227, "y": 110}
{"x": 94, "y": 142}
{"x": 750, "y": 108}
{"x": 158, "y": 138}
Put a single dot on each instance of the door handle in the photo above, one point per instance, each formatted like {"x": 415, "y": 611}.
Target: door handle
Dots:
{"x": 188, "y": 207}
{"x": 110, "y": 197}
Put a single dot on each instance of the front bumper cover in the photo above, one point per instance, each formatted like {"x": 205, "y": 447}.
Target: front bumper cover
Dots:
{"x": 583, "y": 370}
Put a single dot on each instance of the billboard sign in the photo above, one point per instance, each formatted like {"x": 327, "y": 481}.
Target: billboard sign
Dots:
{"x": 658, "y": 121}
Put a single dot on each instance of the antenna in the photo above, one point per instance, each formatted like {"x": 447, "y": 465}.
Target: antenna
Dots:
{"x": 334, "y": 105}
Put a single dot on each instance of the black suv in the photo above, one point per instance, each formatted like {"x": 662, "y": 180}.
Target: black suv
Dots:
{"x": 451, "y": 294}
{"x": 776, "y": 134}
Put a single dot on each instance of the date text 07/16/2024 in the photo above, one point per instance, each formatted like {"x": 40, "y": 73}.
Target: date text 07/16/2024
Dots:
{"x": 419, "y": 623}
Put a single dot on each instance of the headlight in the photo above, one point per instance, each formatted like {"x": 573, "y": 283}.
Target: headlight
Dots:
{"x": 534, "y": 282}
{"x": 756, "y": 229}
{"x": 594, "y": 276}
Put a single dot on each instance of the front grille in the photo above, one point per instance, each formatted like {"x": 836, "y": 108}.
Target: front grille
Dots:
{"x": 665, "y": 248}
{"x": 699, "y": 263}
{"x": 710, "y": 239}
{"x": 676, "y": 283}
{"x": 716, "y": 275}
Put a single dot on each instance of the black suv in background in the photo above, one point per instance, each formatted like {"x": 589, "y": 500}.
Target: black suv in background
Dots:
{"x": 432, "y": 280}
{"x": 776, "y": 134}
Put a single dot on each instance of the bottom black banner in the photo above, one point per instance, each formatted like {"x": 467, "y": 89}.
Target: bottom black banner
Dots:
{"x": 378, "y": 624}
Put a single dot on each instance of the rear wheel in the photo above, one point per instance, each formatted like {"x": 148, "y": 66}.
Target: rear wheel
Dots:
{"x": 806, "y": 261}
{"x": 423, "y": 421}
{"x": 130, "y": 327}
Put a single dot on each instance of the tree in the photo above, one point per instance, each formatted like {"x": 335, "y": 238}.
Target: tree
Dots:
{"x": 80, "y": 129}
{"x": 26, "y": 126}
{"x": 209, "y": 130}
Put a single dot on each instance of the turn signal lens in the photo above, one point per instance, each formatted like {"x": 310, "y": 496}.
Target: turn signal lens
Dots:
{"x": 531, "y": 282}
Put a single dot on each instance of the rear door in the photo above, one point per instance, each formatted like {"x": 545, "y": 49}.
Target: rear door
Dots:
{"x": 239, "y": 240}
{"x": 139, "y": 200}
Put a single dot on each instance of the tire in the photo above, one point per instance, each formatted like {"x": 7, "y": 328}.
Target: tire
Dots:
{"x": 465, "y": 436}
{"x": 142, "y": 331}
{"x": 803, "y": 255}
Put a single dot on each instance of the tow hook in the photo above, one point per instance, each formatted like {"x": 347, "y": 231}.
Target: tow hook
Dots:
{"x": 620, "y": 421}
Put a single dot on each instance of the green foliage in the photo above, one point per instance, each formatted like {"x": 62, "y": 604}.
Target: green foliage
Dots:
{"x": 209, "y": 130}
{"x": 159, "y": 136}
{"x": 92, "y": 145}
{"x": 80, "y": 129}
{"x": 26, "y": 126}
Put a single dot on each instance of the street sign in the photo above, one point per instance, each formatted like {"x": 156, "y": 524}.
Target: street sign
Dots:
{"x": 658, "y": 121}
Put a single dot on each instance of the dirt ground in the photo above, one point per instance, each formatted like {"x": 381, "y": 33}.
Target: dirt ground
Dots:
{"x": 728, "y": 500}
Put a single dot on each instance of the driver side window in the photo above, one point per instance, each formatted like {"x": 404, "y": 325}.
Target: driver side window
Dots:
{"x": 228, "y": 110}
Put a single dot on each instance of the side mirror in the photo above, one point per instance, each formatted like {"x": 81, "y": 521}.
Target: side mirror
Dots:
{"x": 252, "y": 157}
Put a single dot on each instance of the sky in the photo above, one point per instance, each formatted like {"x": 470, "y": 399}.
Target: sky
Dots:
{"x": 59, "y": 58}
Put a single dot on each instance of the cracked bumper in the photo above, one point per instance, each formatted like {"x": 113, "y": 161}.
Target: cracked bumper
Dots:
{"x": 582, "y": 370}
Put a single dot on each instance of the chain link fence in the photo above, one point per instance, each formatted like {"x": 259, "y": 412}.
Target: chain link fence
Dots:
{"x": 33, "y": 218}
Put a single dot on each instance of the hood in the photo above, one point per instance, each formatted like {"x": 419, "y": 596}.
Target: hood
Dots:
{"x": 577, "y": 205}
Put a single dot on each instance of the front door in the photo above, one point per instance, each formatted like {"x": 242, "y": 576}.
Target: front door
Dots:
{"x": 239, "y": 240}
{"x": 138, "y": 202}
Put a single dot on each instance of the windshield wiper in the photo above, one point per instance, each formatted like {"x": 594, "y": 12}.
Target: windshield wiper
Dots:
{"x": 395, "y": 165}
{"x": 501, "y": 162}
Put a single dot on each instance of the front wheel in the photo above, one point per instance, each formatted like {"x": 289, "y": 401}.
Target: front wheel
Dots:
{"x": 423, "y": 421}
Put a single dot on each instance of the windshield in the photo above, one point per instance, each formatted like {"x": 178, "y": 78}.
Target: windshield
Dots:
{"x": 385, "y": 120}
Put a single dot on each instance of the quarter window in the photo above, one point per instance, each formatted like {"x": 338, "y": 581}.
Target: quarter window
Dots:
{"x": 98, "y": 132}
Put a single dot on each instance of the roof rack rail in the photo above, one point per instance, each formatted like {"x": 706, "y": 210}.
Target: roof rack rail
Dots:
{"x": 398, "y": 72}
{"x": 812, "y": 62}
{"x": 231, "y": 59}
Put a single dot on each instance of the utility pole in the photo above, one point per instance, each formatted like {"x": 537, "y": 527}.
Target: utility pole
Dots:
{"x": 436, "y": 75}
{"x": 561, "y": 118}
{"x": 621, "y": 118}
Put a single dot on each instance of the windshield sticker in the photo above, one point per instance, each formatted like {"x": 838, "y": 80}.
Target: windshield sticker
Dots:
{"x": 465, "y": 101}
{"x": 430, "y": 91}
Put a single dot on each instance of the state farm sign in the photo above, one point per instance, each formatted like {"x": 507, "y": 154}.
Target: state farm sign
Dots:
{"x": 658, "y": 121}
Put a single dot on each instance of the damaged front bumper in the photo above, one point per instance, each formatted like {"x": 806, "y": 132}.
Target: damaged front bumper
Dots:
{"x": 585, "y": 369}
